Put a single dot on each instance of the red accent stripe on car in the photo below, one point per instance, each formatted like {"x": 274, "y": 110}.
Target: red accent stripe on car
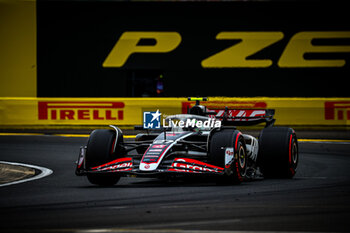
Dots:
{"x": 237, "y": 137}
{"x": 192, "y": 165}
{"x": 113, "y": 162}
{"x": 112, "y": 149}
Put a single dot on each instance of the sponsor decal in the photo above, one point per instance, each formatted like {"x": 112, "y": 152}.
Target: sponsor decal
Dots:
{"x": 229, "y": 156}
{"x": 238, "y": 55}
{"x": 158, "y": 146}
{"x": 155, "y": 150}
{"x": 153, "y": 153}
{"x": 243, "y": 110}
{"x": 150, "y": 160}
{"x": 241, "y": 115}
{"x": 212, "y": 105}
{"x": 292, "y": 56}
{"x": 128, "y": 44}
{"x": 193, "y": 166}
{"x": 337, "y": 110}
{"x": 80, "y": 110}
{"x": 151, "y": 120}
{"x": 117, "y": 166}
{"x": 123, "y": 164}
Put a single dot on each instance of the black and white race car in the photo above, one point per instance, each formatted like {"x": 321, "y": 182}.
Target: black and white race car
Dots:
{"x": 204, "y": 142}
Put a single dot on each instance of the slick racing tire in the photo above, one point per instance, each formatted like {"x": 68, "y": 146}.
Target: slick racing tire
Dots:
{"x": 278, "y": 152}
{"x": 100, "y": 151}
{"x": 228, "y": 141}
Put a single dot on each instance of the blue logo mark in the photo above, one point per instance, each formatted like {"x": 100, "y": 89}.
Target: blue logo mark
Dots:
{"x": 151, "y": 120}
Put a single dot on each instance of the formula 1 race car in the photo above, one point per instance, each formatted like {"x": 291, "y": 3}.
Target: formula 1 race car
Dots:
{"x": 204, "y": 142}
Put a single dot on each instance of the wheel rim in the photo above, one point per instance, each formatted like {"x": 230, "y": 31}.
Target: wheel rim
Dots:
{"x": 242, "y": 160}
{"x": 294, "y": 153}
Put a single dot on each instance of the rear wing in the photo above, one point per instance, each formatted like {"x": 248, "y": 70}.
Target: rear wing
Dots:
{"x": 234, "y": 117}
{"x": 243, "y": 117}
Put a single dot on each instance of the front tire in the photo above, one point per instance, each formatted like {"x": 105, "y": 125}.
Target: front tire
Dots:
{"x": 100, "y": 150}
{"x": 224, "y": 141}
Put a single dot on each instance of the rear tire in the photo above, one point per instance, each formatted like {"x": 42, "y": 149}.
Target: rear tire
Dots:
{"x": 229, "y": 138}
{"x": 278, "y": 152}
{"x": 100, "y": 151}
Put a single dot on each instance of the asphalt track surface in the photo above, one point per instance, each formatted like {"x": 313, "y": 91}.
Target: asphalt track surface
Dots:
{"x": 316, "y": 200}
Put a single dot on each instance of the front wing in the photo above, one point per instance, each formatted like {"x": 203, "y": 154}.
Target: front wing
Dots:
{"x": 130, "y": 166}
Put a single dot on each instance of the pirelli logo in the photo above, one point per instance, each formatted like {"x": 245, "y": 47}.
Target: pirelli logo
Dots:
{"x": 80, "y": 110}
{"x": 337, "y": 110}
{"x": 238, "y": 54}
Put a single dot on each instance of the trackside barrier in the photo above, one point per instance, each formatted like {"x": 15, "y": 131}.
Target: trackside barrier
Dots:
{"x": 76, "y": 112}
